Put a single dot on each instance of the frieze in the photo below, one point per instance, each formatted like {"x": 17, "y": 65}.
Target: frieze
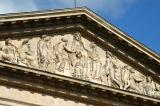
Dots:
{"x": 75, "y": 56}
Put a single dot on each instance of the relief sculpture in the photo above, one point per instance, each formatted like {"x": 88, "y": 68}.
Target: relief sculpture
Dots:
{"x": 73, "y": 55}
{"x": 9, "y": 52}
{"x": 62, "y": 53}
{"x": 79, "y": 66}
{"x": 43, "y": 52}
{"x": 94, "y": 61}
{"x": 25, "y": 54}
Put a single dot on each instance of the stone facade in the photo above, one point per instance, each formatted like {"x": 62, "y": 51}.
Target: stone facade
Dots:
{"x": 72, "y": 60}
{"x": 13, "y": 97}
{"x": 74, "y": 56}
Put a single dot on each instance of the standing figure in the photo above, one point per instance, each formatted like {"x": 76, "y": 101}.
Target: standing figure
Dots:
{"x": 52, "y": 59}
{"x": 111, "y": 67}
{"x": 76, "y": 46}
{"x": 104, "y": 75}
{"x": 10, "y": 52}
{"x": 26, "y": 57}
{"x": 95, "y": 64}
{"x": 79, "y": 65}
{"x": 62, "y": 51}
{"x": 125, "y": 76}
{"x": 118, "y": 73}
{"x": 43, "y": 52}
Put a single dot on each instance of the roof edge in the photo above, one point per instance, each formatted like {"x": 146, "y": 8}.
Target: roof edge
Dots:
{"x": 123, "y": 35}
{"x": 84, "y": 10}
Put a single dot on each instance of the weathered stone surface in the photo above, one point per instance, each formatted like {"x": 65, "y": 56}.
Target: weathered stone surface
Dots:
{"x": 75, "y": 56}
{"x": 19, "y": 97}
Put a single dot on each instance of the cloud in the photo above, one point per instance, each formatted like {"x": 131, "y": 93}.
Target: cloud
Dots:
{"x": 115, "y": 8}
{"x": 12, "y": 6}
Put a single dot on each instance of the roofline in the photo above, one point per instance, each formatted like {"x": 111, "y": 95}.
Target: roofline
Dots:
{"x": 80, "y": 11}
{"x": 44, "y": 12}
{"x": 126, "y": 37}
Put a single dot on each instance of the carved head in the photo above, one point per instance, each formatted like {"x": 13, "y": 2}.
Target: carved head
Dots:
{"x": 78, "y": 55}
{"x": 132, "y": 70}
{"x": 8, "y": 41}
{"x": 48, "y": 38}
{"x": 149, "y": 79}
{"x": 92, "y": 45}
{"x": 125, "y": 67}
{"x": 77, "y": 36}
{"x": 108, "y": 54}
{"x": 43, "y": 36}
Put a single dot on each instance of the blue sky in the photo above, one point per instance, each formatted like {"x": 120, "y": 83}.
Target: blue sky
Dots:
{"x": 139, "y": 18}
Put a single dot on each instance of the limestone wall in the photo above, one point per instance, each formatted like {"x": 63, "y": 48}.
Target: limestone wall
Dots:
{"x": 18, "y": 97}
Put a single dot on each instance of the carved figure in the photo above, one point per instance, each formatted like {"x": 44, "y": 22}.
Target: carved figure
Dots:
{"x": 112, "y": 81}
{"x": 134, "y": 82}
{"x": 43, "y": 52}
{"x": 77, "y": 46}
{"x": 105, "y": 72}
{"x": 1, "y": 52}
{"x": 10, "y": 52}
{"x": 150, "y": 88}
{"x": 52, "y": 59}
{"x": 157, "y": 86}
{"x": 61, "y": 50}
{"x": 95, "y": 64}
{"x": 78, "y": 68}
{"x": 73, "y": 59}
{"x": 25, "y": 57}
{"x": 118, "y": 72}
{"x": 71, "y": 54}
{"x": 125, "y": 76}
{"x": 157, "y": 94}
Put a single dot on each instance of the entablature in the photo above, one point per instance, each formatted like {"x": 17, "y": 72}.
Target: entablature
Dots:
{"x": 75, "y": 89}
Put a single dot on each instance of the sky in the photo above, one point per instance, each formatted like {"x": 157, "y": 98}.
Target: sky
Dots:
{"x": 138, "y": 18}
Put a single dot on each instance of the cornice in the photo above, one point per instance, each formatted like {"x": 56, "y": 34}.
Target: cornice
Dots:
{"x": 122, "y": 35}
{"x": 41, "y": 14}
{"x": 54, "y": 84}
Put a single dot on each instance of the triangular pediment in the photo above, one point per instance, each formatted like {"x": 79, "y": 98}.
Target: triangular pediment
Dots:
{"x": 78, "y": 51}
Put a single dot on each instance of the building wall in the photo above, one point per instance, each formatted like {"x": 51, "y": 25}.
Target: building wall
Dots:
{"x": 18, "y": 97}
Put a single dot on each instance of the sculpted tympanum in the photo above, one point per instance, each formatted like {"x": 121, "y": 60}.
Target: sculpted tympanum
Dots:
{"x": 75, "y": 56}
